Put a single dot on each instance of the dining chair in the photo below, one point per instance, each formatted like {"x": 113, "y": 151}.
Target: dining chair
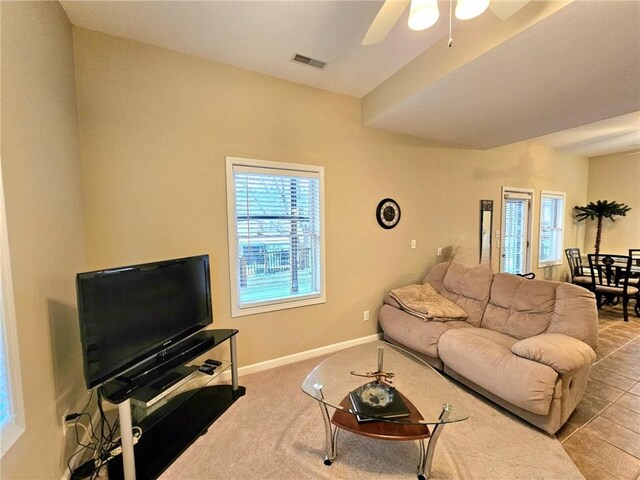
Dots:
{"x": 578, "y": 274}
{"x": 610, "y": 278}
{"x": 634, "y": 253}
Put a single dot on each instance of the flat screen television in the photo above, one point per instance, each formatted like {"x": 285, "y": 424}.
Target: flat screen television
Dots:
{"x": 130, "y": 314}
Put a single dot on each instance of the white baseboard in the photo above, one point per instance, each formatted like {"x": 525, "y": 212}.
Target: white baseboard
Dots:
{"x": 296, "y": 357}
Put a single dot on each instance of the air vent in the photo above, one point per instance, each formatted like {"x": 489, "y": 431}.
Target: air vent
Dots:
{"x": 312, "y": 62}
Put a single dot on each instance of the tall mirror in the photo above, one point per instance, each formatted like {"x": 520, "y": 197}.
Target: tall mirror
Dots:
{"x": 486, "y": 224}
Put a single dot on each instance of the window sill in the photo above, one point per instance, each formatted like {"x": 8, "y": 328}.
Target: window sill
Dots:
{"x": 553, "y": 263}
{"x": 10, "y": 433}
{"x": 272, "y": 307}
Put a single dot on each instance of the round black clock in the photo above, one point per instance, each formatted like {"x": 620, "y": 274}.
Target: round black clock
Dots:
{"x": 388, "y": 213}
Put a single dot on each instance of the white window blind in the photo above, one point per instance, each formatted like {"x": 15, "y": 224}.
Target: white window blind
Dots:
{"x": 515, "y": 234}
{"x": 277, "y": 243}
{"x": 551, "y": 228}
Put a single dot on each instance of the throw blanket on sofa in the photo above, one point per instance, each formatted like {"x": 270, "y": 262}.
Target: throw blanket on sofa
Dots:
{"x": 425, "y": 303}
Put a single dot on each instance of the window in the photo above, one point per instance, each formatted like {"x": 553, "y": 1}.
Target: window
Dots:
{"x": 276, "y": 235}
{"x": 6, "y": 413}
{"x": 11, "y": 406}
{"x": 516, "y": 228}
{"x": 551, "y": 228}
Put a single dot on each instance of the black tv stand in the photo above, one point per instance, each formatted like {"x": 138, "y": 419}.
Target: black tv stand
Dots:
{"x": 167, "y": 380}
{"x": 172, "y": 424}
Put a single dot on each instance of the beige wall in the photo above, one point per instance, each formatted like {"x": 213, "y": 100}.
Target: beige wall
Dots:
{"x": 42, "y": 176}
{"x": 615, "y": 178}
{"x": 156, "y": 127}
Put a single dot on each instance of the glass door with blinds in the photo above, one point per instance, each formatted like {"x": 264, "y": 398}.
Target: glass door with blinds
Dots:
{"x": 516, "y": 230}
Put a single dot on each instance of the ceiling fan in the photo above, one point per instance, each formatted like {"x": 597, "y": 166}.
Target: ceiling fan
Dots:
{"x": 424, "y": 13}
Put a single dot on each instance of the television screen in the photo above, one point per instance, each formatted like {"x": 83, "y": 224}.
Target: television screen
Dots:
{"x": 128, "y": 314}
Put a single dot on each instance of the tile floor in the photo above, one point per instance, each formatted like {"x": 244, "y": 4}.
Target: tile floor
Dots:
{"x": 602, "y": 436}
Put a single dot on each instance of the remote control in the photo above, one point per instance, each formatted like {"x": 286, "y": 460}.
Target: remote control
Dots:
{"x": 206, "y": 368}
{"x": 216, "y": 363}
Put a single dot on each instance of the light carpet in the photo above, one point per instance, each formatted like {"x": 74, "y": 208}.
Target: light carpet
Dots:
{"x": 276, "y": 432}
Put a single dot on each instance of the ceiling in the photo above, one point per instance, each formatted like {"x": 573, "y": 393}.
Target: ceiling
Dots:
{"x": 553, "y": 66}
{"x": 614, "y": 135}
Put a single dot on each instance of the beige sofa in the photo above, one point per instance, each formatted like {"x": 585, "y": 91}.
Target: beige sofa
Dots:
{"x": 527, "y": 345}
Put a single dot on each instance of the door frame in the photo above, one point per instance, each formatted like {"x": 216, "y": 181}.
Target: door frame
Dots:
{"x": 529, "y": 226}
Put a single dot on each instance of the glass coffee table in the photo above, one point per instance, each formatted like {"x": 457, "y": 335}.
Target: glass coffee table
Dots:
{"x": 381, "y": 391}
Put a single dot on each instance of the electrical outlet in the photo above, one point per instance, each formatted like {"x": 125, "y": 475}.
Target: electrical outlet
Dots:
{"x": 365, "y": 316}
{"x": 64, "y": 422}
{"x": 413, "y": 244}
{"x": 439, "y": 251}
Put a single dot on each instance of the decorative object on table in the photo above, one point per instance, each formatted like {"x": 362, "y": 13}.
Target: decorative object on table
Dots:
{"x": 374, "y": 394}
{"x": 600, "y": 210}
{"x": 486, "y": 225}
{"x": 379, "y": 374}
{"x": 375, "y": 400}
{"x": 388, "y": 213}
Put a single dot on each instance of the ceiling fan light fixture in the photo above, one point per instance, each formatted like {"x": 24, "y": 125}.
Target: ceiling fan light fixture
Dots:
{"x": 468, "y": 9}
{"x": 423, "y": 14}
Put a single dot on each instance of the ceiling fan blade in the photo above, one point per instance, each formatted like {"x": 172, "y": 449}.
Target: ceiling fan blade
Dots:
{"x": 503, "y": 9}
{"x": 386, "y": 18}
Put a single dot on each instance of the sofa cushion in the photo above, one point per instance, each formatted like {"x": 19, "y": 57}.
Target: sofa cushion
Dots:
{"x": 520, "y": 307}
{"x": 562, "y": 353}
{"x": 484, "y": 357}
{"x": 412, "y": 332}
{"x": 436, "y": 274}
{"x": 468, "y": 288}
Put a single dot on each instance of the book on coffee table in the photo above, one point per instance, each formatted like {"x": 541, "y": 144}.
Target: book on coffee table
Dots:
{"x": 396, "y": 408}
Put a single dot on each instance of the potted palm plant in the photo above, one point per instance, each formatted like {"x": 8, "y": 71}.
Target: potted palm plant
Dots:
{"x": 600, "y": 210}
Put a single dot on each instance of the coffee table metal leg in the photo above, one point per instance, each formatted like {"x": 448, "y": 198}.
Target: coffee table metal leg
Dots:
{"x": 331, "y": 434}
{"x": 423, "y": 458}
{"x": 426, "y": 456}
{"x": 335, "y": 441}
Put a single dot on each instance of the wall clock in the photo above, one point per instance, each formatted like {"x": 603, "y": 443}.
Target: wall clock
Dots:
{"x": 388, "y": 213}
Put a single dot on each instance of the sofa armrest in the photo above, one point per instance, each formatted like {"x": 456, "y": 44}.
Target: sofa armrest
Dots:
{"x": 561, "y": 352}
{"x": 389, "y": 300}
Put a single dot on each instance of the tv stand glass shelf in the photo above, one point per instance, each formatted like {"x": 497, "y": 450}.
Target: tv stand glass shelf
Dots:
{"x": 187, "y": 403}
